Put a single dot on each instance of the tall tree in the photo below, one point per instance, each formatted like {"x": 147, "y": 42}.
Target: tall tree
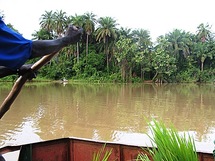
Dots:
{"x": 47, "y": 21}
{"x": 142, "y": 38}
{"x": 202, "y": 51}
{"x": 125, "y": 50}
{"x": 78, "y": 21}
{"x": 42, "y": 34}
{"x": 163, "y": 64}
{"x": 203, "y": 32}
{"x": 89, "y": 26}
{"x": 175, "y": 39}
{"x": 181, "y": 43}
{"x": 142, "y": 57}
{"x": 203, "y": 47}
{"x": 60, "y": 22}
{"x": 125, "y": 32}
{"x": 106, "y": 31}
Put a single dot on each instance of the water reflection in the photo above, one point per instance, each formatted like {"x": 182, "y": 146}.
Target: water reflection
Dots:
{"x": 109, "y": 112}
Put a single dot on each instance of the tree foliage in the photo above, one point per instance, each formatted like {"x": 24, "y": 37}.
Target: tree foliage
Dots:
{"x": 121, "y": 54}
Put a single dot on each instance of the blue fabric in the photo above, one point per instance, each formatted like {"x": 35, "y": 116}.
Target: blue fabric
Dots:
{"x": 15, "y": 50}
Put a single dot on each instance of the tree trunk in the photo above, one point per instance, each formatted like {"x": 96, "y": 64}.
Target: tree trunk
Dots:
{"x": 87, "y": 43}
{"x": 77, "y": 52}
{"x": 142, "y": 72}
{"x": 123, "y": 72}
{"x": 202, "y": 65}
{"x": 130, "y": 75}
{"x": 107, "y": 61}
{"x": 153, "y": 79}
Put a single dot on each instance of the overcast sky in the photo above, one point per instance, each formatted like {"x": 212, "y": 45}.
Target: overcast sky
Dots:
{"x": 157, "y": 16}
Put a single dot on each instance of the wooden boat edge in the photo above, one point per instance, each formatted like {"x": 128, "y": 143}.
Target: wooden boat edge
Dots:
{"x": 76, "y": 149}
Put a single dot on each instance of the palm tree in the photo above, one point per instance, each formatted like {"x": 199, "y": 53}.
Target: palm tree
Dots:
{"x": 203, "y": 51}
{"x": 60, "y": 24}
{"x": 163, "y": 43}
{"x": 78, "y": 21}
{"x": 42, "y": 34}
{"x": 175, "y": 39}
{"x": 53, "y": 25}
{"x": 89, "y": 26}
{"x": 125, "y": 32}
{"x": 47, "y": 21}
{"x": 203, "y": 46}
{"x": 181, "y": 42}
{"x": 106, "y": 32}
{"x": 203, "y": 32}
{"x": 142, "y": 38}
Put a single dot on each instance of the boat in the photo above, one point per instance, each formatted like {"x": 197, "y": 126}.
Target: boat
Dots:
{"x": 77, "y": 149}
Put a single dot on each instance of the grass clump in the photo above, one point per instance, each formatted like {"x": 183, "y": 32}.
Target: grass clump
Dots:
{"x": 168, "y": 145}
{"x": 214, "y": 151}
{"x": 102, "y": 154}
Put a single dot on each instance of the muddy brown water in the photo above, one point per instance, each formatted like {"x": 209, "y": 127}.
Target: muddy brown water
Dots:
{"x": 107, "y": 112}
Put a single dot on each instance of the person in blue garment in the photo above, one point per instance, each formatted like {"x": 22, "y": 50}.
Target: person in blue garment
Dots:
{"x": 15, "y": 50}
{"x": 2, "y": 158}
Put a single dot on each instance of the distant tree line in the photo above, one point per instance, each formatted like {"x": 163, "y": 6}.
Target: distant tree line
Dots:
{"x": 107, "y": 53}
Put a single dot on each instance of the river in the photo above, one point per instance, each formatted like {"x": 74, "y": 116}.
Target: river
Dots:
{"x": 107, "y": 112}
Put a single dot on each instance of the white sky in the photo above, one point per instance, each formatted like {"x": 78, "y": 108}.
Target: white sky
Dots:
{"x": 157, "y": 16}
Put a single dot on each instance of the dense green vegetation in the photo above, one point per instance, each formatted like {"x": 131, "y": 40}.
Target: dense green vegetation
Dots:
{"x": 108, "y": 53}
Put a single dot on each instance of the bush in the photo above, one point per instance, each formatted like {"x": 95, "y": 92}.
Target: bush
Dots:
{"x": 190, "y": 75}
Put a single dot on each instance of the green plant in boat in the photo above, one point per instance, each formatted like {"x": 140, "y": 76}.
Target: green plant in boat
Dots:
{"x": 102, "y": 154}
{"x": 214, "y": 151}
{"x": 168, "y": 145}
